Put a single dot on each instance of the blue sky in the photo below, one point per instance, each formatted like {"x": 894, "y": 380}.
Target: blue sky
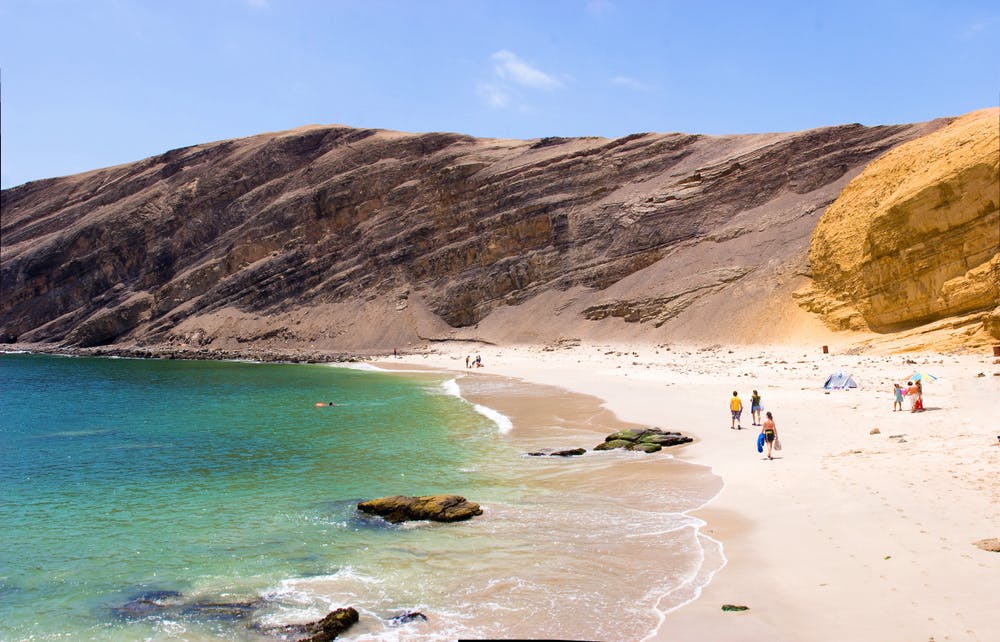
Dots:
{"x": 94, "y": 83}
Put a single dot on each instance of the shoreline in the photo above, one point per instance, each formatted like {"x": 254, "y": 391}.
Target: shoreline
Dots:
{"x": 608, "y": 543}
{"x": 713, "y": 559}
{"x": 585, "y": 417}
{"x": 846, "y": 534}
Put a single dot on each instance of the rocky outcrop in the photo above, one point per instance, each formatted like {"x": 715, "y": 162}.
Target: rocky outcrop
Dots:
{"x": 327, "y": 629}
{"x": 915, "y": 238}
{"x": 648, "y": 440}
{"x": 333, "y": 238}
{"x": 437, "y": 508}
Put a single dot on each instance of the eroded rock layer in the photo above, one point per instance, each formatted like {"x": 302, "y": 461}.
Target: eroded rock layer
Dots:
{"x": 915, "y": 238}
{"x": 336, "y": 238}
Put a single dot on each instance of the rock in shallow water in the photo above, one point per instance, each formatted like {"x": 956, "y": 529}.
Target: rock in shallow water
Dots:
{"x": 438, "y": 508}
{"x": 549, "y": 452}
{"x": 335, "y": 623}
{"x": 172, "y": 604}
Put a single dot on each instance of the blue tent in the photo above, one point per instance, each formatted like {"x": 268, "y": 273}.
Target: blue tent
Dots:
{"x": 839, "y": 381}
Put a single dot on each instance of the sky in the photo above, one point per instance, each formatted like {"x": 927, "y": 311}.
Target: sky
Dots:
{"x": 95, "y": 83}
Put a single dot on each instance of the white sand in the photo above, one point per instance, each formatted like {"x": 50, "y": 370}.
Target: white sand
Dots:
{"x": 845, "y": 535}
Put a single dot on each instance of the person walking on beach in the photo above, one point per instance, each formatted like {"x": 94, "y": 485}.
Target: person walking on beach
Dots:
{"x": 755, "y": 408}
{"x": 736, "y": 407}
{"x": 897, "y": 391}
{"x": 770, "y": 433}
{"x": 466, "y": 361}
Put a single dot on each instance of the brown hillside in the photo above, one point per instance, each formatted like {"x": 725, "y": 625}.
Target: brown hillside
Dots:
{"x": 340, "y": 239}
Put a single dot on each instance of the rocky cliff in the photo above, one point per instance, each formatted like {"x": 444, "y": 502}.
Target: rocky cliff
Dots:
{"x": 332, "y": 238}
{"x": 915, "y": 238}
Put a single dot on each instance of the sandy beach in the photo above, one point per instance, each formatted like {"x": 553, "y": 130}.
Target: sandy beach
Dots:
{"x": 845, "y": 535}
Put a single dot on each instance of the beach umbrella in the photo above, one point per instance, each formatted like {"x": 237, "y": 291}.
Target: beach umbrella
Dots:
{"x": 922, "y": 376}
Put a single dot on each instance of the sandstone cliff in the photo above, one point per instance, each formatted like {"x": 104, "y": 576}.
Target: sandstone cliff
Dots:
{"x": 332, "y": 238}
{"x": 915, "y": 238}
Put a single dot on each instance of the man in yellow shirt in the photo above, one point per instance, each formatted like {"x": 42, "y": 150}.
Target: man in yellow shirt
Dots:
{"x": 736, "y": 406}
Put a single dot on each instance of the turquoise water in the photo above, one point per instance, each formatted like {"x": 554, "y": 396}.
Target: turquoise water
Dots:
{"x": 222, "y": 482}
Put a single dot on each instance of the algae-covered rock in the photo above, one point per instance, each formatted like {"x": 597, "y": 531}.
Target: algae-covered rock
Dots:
{"x": 665, "y": 439}
{"x": 647, "y": 440}
{"x": 614, "y": 443}
{"x": 438, "y": 508}
{"x": 627, "y": 435}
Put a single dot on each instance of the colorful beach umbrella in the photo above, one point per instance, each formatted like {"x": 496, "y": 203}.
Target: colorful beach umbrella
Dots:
{"x": 922, "y": 376}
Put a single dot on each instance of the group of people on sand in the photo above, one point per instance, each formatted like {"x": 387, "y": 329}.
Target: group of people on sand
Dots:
{"x": 914, "y": 390}
{"x": 767, "y": 427}
{"x": 475, "y": 363}
{"x": 736, "y": 407}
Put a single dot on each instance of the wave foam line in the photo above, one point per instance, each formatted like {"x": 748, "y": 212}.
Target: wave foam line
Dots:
{"x": 690, "y": 590}
{"x": 358, "y": 366}
{"x": 451, "y": 387}
{"x": 502, "y": 421}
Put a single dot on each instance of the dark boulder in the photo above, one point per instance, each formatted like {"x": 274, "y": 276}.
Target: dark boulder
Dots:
{"x": 438, "y": 508}
{"x": 335, "y": 623}
{"x": 406, "y": 618}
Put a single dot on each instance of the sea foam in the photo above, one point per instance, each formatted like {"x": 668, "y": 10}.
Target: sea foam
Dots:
{"x": 502, "y": 421}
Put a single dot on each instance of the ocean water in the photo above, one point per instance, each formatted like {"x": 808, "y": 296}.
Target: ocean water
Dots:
{"x": 187, "y": 500}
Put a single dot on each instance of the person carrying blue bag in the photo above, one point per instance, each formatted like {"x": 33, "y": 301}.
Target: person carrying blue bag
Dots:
{"x": 769, "y": 435}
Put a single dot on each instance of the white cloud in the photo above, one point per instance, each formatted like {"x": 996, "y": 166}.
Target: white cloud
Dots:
{"x": 257, "y": 4}
{"x": 511, "y": 68}
{"x": 631, "y": 83}
{"x": 496, "y": 97}
{"x": 976, "y": 29}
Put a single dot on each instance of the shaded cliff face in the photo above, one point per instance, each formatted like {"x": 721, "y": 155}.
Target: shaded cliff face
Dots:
{"x": 916, "y": 237}
{"x": 339, "y": 238}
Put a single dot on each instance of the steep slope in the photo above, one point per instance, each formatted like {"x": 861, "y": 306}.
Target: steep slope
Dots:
{"x": 332, "y": 238}
{"x": 915, "y": 238}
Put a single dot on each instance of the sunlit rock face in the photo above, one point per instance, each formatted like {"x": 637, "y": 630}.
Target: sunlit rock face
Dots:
{"x": 915, "y": 237}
